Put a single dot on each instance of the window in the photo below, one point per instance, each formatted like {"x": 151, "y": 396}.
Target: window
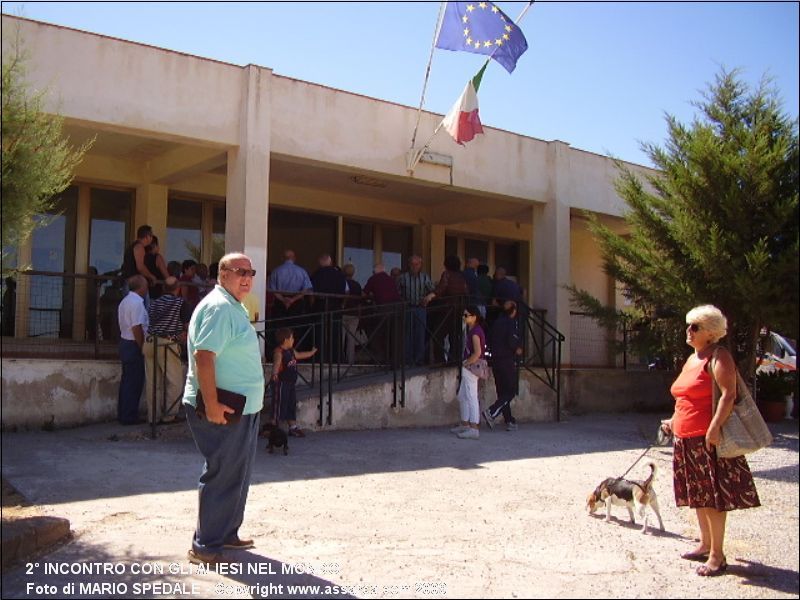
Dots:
{"x": 109, "y": 229}
{"x": 308, "y": 234}
{"x": 476, "y": 249}
{"x": 396, "y": 247}
{"x": 218, "y": 234}
{"x": 450, "y": 245}
{"x": 359, "y": 243}
{"x": 184, "y": 233}
{"x": 53, "y": 249}
{"x": 507, "y": 255}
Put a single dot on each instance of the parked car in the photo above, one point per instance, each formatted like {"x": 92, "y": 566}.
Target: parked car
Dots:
{"x": 776, "y": 353}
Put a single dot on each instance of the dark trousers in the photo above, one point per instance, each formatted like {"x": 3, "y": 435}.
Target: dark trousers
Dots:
{"x": 295, "y": 319}
{"x": 132, "y": 382}
{"x": 284, "y": 401}
{"x": 444, "y": 322}
{"x": 505, "y": 381}
{"x": 379, "y": 323}
{"x": 229, "y": 452}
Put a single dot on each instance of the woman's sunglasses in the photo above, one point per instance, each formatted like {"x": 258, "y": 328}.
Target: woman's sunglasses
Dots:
{"x": 694, "y": 327}
{"x": 466, "y": 314}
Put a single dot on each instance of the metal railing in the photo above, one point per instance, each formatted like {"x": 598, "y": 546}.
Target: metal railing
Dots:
{"x": 60, "y": 315}
{"x": 542, "y": 350}
{"x": 361, "y": 342}
{"x": 166, "y": 364}
{"x": 74, "y": 316}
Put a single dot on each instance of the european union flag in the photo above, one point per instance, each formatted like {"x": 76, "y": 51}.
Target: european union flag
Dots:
{"x": 482, "y": 28}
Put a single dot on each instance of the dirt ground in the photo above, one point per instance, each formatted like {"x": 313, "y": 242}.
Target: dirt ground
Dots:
{"x": 395, "y": 513}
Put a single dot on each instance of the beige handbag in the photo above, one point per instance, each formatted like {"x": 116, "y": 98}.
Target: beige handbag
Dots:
{"x": 744, "y": 431}
{"x": 480, "y": 368}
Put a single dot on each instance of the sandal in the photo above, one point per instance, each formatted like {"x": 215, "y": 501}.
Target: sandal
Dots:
{"x": 696, "y": 556}
{"x": 706, "y": 571}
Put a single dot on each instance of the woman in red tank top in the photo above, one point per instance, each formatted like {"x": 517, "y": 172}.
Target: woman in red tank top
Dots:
{"x": 703, "y": 481}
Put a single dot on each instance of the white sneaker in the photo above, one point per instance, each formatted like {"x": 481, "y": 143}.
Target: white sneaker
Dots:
{"x": 511, "y": 427}
{"x": 469, "y": 434}
{"x": 458, "y": 429}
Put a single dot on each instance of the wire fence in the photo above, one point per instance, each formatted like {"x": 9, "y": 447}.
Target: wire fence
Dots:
{"x": 593, "y": 345}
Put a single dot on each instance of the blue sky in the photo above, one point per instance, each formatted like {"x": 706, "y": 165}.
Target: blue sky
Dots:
{"x": 599, "y": 76}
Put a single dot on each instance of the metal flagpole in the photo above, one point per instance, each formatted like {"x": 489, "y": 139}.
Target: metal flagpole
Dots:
{"x": 428, "y": 70}
{"x": 417, "y": 155}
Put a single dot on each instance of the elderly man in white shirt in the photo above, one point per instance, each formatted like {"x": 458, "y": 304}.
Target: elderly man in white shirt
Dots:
{"x": 133, "y": 324}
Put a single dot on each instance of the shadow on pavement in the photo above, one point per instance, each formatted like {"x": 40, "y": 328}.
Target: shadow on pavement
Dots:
{"x": 763, "y": 576}
{"x": 82, "y": 464}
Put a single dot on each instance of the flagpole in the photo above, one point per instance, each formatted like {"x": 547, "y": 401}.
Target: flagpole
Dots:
{"x": 428, "y": 70}
{"x": 417, "y": 155}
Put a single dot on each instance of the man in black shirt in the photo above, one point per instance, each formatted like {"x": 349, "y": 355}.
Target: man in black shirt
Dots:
{"x": 328, "y": 280}
{"x": 505, "y": 343}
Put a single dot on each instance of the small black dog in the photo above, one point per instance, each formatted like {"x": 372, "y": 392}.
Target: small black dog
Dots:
{"x": 277, "y": 438}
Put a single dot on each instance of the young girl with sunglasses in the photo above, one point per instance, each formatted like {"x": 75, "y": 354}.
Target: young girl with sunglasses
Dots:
{"x": 474, "y": 350}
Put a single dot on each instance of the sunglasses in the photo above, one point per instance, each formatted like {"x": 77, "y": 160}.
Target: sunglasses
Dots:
{"x": 694, "y": 327}
{"x": 242, "y": 272}
{"x": 466, "y": 314}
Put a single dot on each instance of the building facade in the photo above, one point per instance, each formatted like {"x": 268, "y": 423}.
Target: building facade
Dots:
{"x": 217, "y": 156}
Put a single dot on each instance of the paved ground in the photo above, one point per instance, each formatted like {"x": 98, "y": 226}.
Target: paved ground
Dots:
{"x": 400, "y": 513}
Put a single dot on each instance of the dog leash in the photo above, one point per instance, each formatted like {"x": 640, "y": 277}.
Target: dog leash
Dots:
{"x": 641, "y": 456}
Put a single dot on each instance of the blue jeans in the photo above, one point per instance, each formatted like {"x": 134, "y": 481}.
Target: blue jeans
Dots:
{"x": 132, "y": 382}
{"x": 229, "y": 451}
{"x": 416, "y": 322}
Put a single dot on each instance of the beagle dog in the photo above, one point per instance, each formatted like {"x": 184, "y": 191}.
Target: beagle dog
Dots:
{"x": 633, "y": 495}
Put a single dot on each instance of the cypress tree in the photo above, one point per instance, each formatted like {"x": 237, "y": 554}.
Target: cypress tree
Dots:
{"x": 717, "y": 223}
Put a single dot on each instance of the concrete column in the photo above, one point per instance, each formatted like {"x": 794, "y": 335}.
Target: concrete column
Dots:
{"x": 247, "y": 193}
{"x": 339, "y": 240}
{"x": 83, "y": 223}
{"x": 151, "y": 209}
{"x": 436, "y": 264}
{"x": 550, "y": 250}
{"x": 22, "y": 312}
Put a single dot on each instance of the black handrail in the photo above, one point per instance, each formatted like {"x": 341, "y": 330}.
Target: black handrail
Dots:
{"x": 544, "y": 350}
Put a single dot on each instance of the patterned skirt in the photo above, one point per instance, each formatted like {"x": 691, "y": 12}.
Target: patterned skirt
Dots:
{"x": 702, "y": 480}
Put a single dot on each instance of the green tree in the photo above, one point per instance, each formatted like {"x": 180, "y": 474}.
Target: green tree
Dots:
{"x": 717, "y": 223}
{"x": 37, "y": 162}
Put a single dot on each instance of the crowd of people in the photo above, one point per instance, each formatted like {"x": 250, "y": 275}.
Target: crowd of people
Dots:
{"x": 160, "y": 297}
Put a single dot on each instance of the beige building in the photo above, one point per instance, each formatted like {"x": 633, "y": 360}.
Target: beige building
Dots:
{"x": 213, "y": 154}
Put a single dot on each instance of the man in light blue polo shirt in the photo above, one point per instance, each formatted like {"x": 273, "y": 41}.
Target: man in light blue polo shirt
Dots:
{"x": 223, "y": 354}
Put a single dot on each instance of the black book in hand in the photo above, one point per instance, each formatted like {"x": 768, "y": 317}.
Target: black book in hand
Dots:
{"x": 228, "y": 398}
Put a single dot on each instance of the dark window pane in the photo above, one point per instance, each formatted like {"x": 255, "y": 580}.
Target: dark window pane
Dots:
{"x": 450, "y": 245}
{"x": 359, "y": 242}
{"x": 476, "y": 249}
{"x": 110, "y": 226}
{"x": 507, "y": 255}
{"x": 53, "y": 249}
{"x": 218, "y": 234}
{"x": 308, "y": 234}
{"x": 396, "y": 246}
{"x": 184, "y": 235}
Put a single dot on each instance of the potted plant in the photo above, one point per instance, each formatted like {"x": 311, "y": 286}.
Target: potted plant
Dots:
{"x": 772, "y": 389}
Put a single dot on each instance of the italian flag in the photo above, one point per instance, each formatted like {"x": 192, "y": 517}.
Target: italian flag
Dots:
{"x": 463, "y": 122}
